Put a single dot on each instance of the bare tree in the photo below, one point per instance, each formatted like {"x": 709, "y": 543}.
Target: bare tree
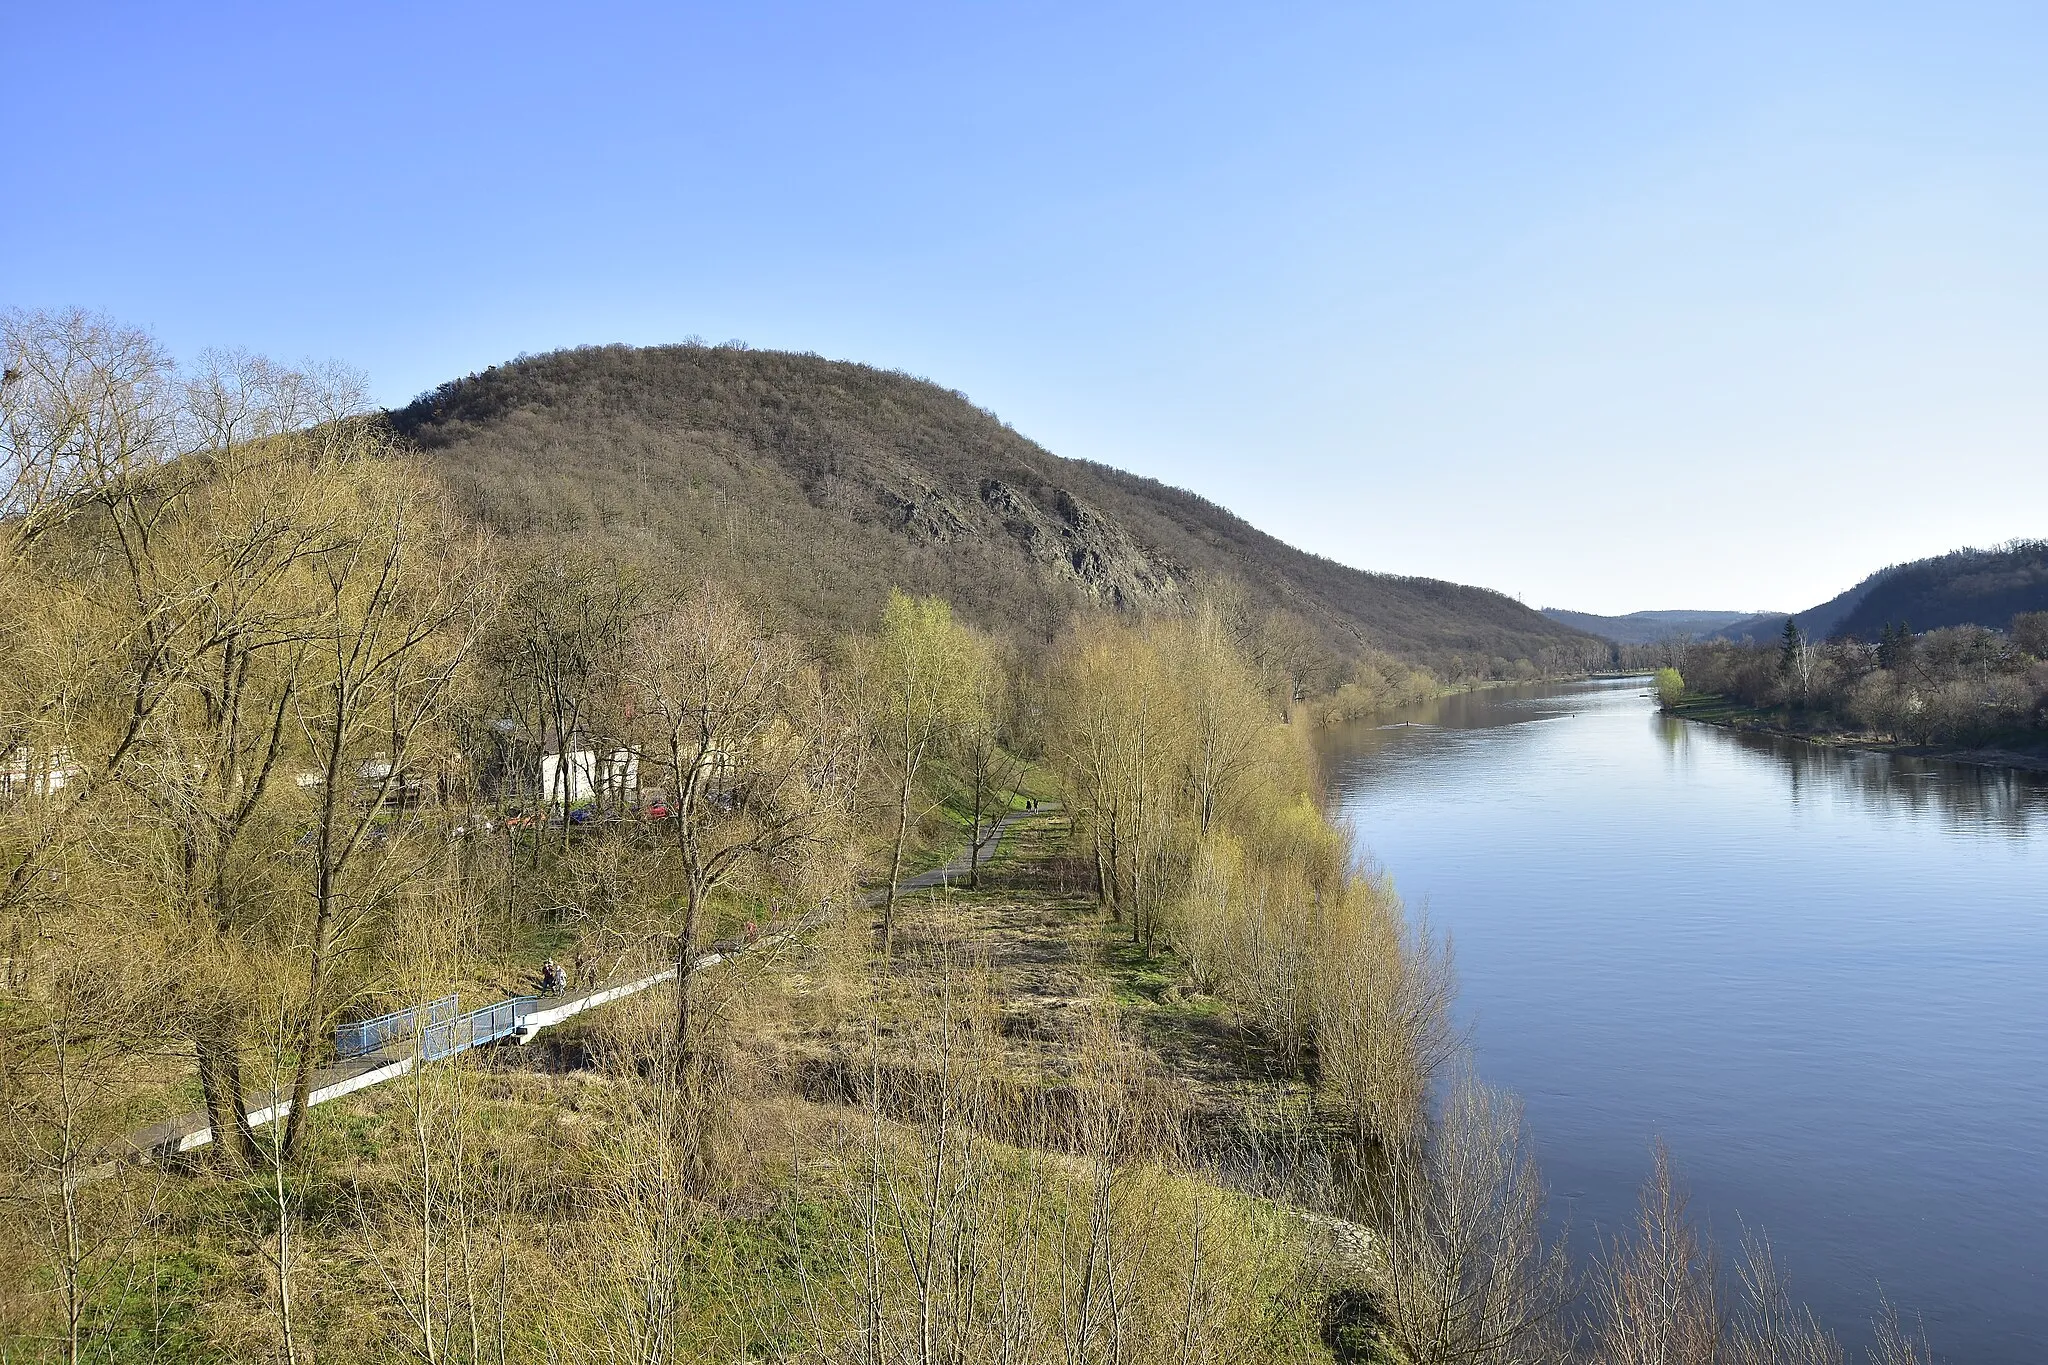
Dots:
{"x": 733, "y": 714}
{"x": 1123, "y": 742}
{"x": 400, "y": 608}
{"x": 205, "y": 771}
{"x": 89, "y": 412}
{"x": 90, "y": 428}
{"x": 1893, "y": 1344}
{"x": 1226, "y": 723}
{"x": 170, "y": 522}
{"x": 1656, "y": 1299}
{"x": 1087, "y": 742}
{"x": 920, "y": 663}
{"x": 1383, "y": 990}
{"x": 66, "y": 1077}
{"x": 1767, "y": 1326}
{"x": 989, "y": 768}
{"x": 1464, "y": 1271}
{"x": 557, "y": 654}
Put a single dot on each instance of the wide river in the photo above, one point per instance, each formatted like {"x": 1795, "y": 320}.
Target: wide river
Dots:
{"x": 1821, "y": 977}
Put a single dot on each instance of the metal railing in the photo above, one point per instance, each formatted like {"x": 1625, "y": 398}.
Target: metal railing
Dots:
{"x": 476, "y": 1028}
{"x": 368, "y": 1035}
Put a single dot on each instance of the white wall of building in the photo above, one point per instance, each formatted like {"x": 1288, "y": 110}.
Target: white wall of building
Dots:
{"x": 619, "y": 769}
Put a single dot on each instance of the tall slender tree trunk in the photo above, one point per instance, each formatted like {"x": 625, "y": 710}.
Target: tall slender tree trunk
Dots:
{"x": 227, "y": 1109}
{"x": 1102, "y": 896}
{"x": 1116, "y": 865}
{"x": 896, "y": 865}
{"x": 326, "y": 875}
{"x": 309, "y": 1024}
{"x": 974, "y": 840}
{"x": 686, "y": 956}
{"x": 1139, "y": 933}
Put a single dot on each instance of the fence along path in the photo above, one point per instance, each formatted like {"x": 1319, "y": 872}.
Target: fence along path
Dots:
{"x": 394, "y": 1044}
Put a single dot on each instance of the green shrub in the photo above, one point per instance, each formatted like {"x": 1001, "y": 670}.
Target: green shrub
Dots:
{"x": 1670, "y": 687}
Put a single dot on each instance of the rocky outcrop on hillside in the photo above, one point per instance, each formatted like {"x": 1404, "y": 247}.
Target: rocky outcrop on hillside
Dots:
{"x": 1077, "y": 543}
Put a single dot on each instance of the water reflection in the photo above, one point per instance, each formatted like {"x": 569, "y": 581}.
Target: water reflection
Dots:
{"x": 1967, "y": 798}
{"x": 1675, "y": 737}
{"x": 1970, "y": 799}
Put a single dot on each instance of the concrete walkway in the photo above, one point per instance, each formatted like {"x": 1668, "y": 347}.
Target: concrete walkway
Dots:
{"x": 190, "y": 1131}
{"x": 958, "y": 869}
{"x": 184, "y": 1133}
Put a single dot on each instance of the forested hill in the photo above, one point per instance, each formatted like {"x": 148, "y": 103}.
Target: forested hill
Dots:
{"x": 1962, "y": 588}
{"x": 827, "y": 482}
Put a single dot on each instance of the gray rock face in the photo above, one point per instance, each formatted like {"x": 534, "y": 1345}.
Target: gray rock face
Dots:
{"x": 1081, "y": 545}
{"x": 925, "y": 515}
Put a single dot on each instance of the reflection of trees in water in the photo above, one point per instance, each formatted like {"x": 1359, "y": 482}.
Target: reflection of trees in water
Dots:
{"x": 1385, "y": 752}
{"x": 1380, "y": 753}
{"x": 1964, "y": 795}
{"x": 1674, "y": 734}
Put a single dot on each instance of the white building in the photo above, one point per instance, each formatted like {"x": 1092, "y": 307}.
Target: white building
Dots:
{"x": 24, "y": 773}
{"x": 585, "y": 772}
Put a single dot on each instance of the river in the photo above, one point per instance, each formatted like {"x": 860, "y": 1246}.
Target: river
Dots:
{"x": 1820, "y": 976}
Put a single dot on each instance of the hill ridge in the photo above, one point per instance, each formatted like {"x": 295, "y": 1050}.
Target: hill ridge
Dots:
{"x": 1962, "y": 587}
{"x": 834, "y": 480}
{"x": 1965, "y": 586}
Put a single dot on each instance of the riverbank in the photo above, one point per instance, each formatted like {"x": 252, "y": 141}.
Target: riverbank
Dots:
{"x": 1713, "y": 709}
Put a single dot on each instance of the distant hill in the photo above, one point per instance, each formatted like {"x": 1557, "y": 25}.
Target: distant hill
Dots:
{"x": 1763, "y": 625}
{"x": 1962, "y": 588}
{"x": 827, "y": 482}
{"x": 1648, "y": 627}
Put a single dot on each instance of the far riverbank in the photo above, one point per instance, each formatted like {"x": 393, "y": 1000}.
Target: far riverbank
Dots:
{"x": 1712, "y": 709}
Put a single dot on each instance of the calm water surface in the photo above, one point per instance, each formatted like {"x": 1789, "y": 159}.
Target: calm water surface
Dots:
{"x": 1822, "y": 977}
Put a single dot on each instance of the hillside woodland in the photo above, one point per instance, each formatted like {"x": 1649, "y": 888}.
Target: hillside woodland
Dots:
{"x": 1984, "y": 589}
{"x": 288, "y": 742}
{"x": 1981, "y": 588}
{"x": 833, "y": 482}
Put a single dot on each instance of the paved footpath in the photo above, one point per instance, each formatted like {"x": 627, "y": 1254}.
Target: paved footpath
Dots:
{"x": 189, "y": 1131}
{"x": 958, "y": 869}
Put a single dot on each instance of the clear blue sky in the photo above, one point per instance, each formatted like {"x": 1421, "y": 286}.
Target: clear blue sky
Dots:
{"x": 1613, "y": 306}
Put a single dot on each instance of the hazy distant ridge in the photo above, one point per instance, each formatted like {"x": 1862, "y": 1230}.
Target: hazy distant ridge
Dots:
{"x": 1647, "y": 627}
{"x": 1966, "y": 587}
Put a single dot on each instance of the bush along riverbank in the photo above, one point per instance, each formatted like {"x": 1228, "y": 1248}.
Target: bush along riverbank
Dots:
{"x": 1965, "y": 695}
{"x": 2022, "y": 750}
